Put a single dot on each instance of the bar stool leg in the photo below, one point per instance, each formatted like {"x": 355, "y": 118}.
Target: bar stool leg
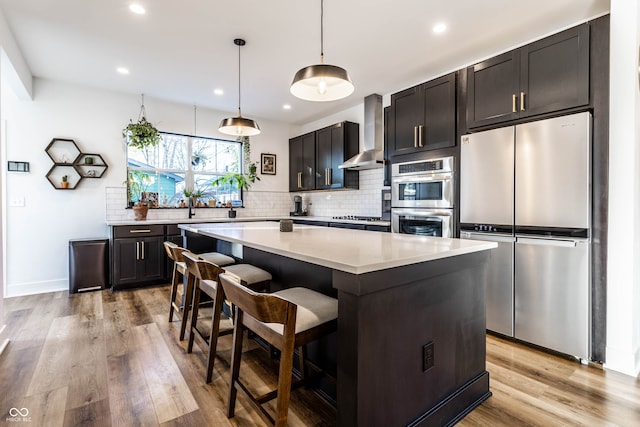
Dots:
{"x": 174, "y": 290}
{"x": 188, "y": 299}
{"x": 236, "y": 356}
{"x": 194, "y": 316}
{"x": 215, "y": 331}
{"x": 284, "y": 385}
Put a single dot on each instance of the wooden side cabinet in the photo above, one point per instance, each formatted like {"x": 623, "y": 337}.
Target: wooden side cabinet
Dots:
{"x": 302, "y": 162}
{"x": 423, "y": 117}
{"x": 549, "y": 75}
{"x": 138, "y": 256}
{"x": 334, "y": 145}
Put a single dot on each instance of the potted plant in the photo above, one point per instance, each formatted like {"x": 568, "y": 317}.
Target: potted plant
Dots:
{"x": 137, "y": 185}
{"x": 141, "y": 134}
{"x": 64, "y": 183}
{"x": 231, "y": 179}
{"x": 197, "y": 196}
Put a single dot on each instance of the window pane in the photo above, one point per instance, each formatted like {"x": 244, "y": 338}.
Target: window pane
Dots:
{"x": 147, "y": 158}
{"x": 173, "y": 152}
{"x": 222, "y": 193}
{"x": 228, "y": 156}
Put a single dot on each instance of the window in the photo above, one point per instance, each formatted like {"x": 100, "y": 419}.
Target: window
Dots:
{"x": 182, "y": 162}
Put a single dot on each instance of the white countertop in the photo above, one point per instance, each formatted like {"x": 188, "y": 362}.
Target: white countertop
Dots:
{"x": 352, "y": 251}
{"x": 196, "y": 220}
{"x": 191, "y": 221}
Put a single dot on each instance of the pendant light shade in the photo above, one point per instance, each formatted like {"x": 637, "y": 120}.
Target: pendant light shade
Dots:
{"x": 239, "y": 126}
{"x": 322, "y": 82}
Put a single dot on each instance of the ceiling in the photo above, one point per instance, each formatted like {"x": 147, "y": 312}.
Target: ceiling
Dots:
{"x": 182, "y": 50}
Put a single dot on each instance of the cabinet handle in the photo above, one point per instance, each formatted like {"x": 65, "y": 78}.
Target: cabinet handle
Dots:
{"x": 137, "y": 251}
{"x": 415, "y": 137}
{"x": 514, "y": 109}
{"x": 142, "y": 250}
{"x": 326, "y": 176}
{"x": 139, "y": 231}
{"x": 521, "y": 101}
{"x": 329, "y": 177}
{"x": 299, "y": 179}
{"x": 420, "y": 135}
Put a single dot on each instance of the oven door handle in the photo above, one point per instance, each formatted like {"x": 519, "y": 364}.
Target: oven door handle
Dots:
{"x": 422, "y": 178}
{"x": 420, "y": 212}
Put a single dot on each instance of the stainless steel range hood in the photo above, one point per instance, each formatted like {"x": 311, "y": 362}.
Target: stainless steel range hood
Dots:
{"x": 372, "y": 157}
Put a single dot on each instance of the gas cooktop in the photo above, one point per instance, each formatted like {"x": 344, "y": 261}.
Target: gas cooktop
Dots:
{"x": 358, "y": 218}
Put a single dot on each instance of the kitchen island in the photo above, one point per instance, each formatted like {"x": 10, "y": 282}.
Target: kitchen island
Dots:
{"x": 411, "y": 314}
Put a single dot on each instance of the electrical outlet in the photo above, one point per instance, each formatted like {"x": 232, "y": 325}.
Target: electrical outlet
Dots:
{"x": 427, "y": 356}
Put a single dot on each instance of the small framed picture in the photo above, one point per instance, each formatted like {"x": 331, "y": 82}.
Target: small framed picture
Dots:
{"x": 268, "y": 164}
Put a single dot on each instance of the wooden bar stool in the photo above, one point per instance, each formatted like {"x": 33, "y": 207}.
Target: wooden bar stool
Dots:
{"x": 286, "y": 319}
{"x": 206, "y": 281}
{"x": 206, "y": 275}
{"x": 175, "y": 253}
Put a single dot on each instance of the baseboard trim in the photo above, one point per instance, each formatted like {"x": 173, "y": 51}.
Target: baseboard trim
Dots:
{"x": 32, "y": 288}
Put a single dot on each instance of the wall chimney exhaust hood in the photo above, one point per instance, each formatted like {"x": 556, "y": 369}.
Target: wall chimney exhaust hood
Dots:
{"x": 372, "y": 157}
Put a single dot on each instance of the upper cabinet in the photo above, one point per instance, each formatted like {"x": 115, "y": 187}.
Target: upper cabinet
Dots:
{"x": 423, "y": 117}
{"x": 549, "y": 75}
{"x": 302, "y": 164}
{"x": 314, "y": 158}
{"x": 334, "y": 145}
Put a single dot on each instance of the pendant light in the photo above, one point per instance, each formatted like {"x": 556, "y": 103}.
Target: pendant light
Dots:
{"x": 322, "y": 82}
{"x": 239, "y": 126}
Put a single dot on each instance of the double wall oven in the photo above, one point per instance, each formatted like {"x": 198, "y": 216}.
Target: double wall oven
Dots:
{"x": 422, "y": 197}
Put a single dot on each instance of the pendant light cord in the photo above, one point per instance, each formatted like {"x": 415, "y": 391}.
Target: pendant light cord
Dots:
{"x": 239, "y": 46}
{"x": 143, "y": 112}
{"x": 322, "y": 31}
{"x": 195, "y": 120}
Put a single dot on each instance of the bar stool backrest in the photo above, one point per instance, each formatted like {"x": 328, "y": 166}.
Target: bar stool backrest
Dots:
{"x": 201, "y": 269}
{"x": 265, "y": 308}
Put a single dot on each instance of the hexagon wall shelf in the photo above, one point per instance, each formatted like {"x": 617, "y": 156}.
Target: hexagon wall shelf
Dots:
{"x": 70, "y": 161}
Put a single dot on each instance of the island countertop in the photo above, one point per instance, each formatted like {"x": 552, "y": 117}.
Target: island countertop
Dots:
{"x": 351, "y": 251}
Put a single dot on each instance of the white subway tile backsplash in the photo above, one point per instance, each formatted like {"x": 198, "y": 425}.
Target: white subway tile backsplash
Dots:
{"x": 362, "y": 202}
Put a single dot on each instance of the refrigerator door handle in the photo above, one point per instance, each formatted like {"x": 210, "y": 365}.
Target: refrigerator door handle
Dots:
{"x": 488, "y": 237}
{"x": 548, "y": 242}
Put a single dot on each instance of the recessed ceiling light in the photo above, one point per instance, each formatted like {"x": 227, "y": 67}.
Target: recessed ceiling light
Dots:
{"x": 286, "y": 107}
{"x": 440, "y": 27}
{"x": 218, "y": 92}
{"x": 137, "y": 8}
{"x": 122, "y": 70}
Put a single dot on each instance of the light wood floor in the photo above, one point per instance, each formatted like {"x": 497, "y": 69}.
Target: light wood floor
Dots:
{"x": 102, "y": 359}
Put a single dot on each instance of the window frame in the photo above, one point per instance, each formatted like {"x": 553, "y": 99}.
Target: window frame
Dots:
{"x": 189, "y": 174}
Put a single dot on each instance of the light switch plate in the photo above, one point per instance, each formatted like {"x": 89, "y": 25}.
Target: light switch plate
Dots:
{"x": 17, "y": 202}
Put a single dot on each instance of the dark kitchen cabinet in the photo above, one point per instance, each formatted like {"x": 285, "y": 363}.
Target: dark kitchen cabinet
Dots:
{"x": 138, "y": 256}
{"x": 423, "y": 117}
{"x": 549, "y": 75}
{"x": 302, "y": 164}
{"x": 334, "y": 145}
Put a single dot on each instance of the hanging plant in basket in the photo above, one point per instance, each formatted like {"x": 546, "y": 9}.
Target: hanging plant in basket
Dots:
{"x": 141, "y": 134}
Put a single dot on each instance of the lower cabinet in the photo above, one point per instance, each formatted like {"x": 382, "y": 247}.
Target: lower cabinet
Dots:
{"x": 138, "y": 256}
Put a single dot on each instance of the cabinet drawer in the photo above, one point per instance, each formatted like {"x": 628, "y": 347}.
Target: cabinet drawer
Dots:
{"x": 138, "y": 231}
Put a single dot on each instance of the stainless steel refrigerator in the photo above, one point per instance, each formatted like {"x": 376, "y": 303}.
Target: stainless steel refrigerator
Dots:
{"x": 527, "y": 187}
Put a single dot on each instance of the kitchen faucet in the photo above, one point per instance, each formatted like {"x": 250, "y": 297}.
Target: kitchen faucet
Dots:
{"x": 191, "y": 212}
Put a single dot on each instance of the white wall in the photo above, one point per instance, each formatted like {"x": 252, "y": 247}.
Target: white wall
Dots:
{"x": 37, "y": 234}
{"x": 623, "y": 280}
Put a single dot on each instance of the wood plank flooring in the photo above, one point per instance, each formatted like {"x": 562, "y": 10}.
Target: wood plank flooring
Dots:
{"x": 113, "y": 359}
